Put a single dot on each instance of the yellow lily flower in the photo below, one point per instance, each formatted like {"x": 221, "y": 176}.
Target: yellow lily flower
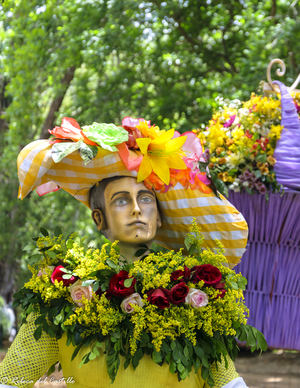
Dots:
{"x": 160, "y": 153}
{"x": 146, "y": 131}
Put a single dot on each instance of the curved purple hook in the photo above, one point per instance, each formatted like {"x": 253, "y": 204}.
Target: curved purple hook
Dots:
{"x": 287, "y": 151}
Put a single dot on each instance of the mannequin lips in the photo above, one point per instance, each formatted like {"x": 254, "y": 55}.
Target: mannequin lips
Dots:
{"x": 137, "y": 223}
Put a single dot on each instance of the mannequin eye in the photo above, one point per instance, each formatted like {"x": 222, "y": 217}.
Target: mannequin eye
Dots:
{"x": 121, "y": 201}
{"x": 146, "y": 199}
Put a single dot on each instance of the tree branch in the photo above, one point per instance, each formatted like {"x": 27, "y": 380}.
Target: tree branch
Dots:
{"x": 56, "y": 103}
{"x": 273, "y": 9}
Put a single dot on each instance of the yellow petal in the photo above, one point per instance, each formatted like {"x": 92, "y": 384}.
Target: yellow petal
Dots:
{"x": 161, "y": 169}
{"x": 145, "y": 169}
{"x": 164, "y": 137}
{"x": 143, "y": 143}
{"x": 143, "y": 128}
{"x": 175, "y": 144}
{"x": 175, "y": 161}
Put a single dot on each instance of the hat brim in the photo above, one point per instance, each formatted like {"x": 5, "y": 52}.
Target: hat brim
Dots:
{"x": 217, "y": 218}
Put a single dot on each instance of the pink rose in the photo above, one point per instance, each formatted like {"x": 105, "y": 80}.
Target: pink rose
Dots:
{"x": 78, "y": 292}
{"x": 127, "y": 303}
{"x": 43, "y": 271}
{"x": 196, "y": 298}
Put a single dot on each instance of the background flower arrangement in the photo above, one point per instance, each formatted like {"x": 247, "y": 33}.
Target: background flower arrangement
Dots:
{"x": 241, "y": 138}
{"x": 185, "y": 311}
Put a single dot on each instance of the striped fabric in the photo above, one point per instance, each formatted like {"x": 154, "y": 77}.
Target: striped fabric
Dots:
{"x": 217, "y": 218}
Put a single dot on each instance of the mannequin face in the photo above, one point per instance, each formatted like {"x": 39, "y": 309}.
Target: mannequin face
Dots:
{"x": 131, "y": 214}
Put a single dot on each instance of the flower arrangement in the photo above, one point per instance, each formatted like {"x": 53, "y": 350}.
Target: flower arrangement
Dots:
{"x": 241, "y": 138}
{"x": 161, "y": 158}
{"x": 186, "y": 311}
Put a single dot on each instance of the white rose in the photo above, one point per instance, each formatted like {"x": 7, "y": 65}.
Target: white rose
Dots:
{"x": 78, "y": 292}
{"x": 196, "y": 298}
{"x": 133, "y": 299}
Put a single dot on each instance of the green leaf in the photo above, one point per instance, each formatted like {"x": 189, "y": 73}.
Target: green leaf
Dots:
{"x": 61, "y": 150}
{"x": 51, "y": 369}
{"x": 184, "y": 374}
{"x": 128, "y": 282}
{"x": 112, "y": 264}
{"x": 106, "y": 135}
{"x": 59, "y": 318}
{"x": 137, "y": 357}
{"x": 88, "y": 282}
{"x": 262, "y": 158}
{"x": 85, "y": 359}
{"x": 257, "y": 173}
{"x": 199, "y": 351}
{"x": 67, "y": 276}
{"x": 76, "y": 351}
{"x": 87, "y": 152}
{"x": 69, "y": 244}
{"x": 261, "y": 341}
{"x": 44, "y": 232}
{"x": 92, "y": 356}
{"x": 242, "y": 282}
{"x": 37, "y": 333}
{"x": 250, "y": 338}
{"x": 180, "y": 367}
{"x": 95, "y": 286}
{"x": 157, "y": 357}
{"x": 189, "y": 242}
{"x": 51, "y": 254}
{"x": 57, "y": 231}
{"x": 173, "y": 366}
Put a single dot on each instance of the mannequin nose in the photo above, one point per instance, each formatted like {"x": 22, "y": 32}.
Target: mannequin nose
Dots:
{"x": 136, "y": 208}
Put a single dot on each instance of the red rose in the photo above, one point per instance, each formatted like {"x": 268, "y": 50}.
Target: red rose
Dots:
{"x": 178, "y": 293}
{"x": 117, "y": 287}
{"x": 220, "y": 287}
{"x": 57, "y": 274}
{"x": 206, "y": 272}
{"x": 159, "y": 297}
{"x": 181, "y": 275}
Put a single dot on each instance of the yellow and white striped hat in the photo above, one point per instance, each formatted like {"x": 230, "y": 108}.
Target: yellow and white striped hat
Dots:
{"x": 217, "y": 218}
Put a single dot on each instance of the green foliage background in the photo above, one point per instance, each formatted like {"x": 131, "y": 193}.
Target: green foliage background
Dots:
{"x": 100, "y": 60}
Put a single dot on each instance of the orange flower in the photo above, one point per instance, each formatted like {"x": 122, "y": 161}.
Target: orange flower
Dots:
{"x": 153, "y": 182}
{"x": 70, "y": 129}
{"x": 271, "y": 160}
{"x": 222, "y": 160}
{"x": 201, "y": 186}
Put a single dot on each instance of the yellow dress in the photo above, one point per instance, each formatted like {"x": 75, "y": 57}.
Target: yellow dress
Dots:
{"x": 27, "y": 360}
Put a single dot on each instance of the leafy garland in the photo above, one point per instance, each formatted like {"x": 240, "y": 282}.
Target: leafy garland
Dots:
{"x": 186, "y": 311}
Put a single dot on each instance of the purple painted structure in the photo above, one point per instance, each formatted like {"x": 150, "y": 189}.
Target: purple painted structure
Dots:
{"x": 287, "y": 152}
{"x": 272, "y": 265}
{"x": 272, "y": 260}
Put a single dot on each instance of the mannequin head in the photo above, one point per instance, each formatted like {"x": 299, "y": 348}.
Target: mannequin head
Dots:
{"x": 126, "y": 211}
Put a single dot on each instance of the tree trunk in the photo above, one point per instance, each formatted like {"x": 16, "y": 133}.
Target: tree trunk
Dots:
{"x": 56, "y": 103}
{"x": 7, "y": 279}
{"x": 4, "y": 102}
